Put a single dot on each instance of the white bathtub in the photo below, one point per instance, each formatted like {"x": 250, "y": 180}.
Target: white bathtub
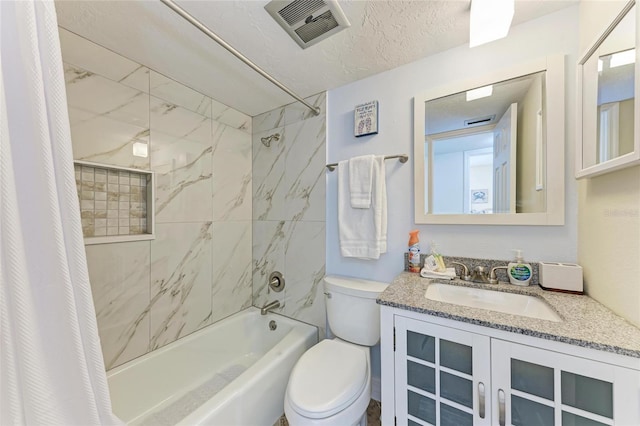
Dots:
{"x": 234, "y": 372}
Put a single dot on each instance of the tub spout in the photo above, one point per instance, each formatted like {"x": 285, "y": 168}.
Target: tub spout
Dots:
{"x": 269, "y": 307}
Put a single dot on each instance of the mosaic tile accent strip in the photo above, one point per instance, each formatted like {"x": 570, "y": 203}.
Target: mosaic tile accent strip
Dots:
{"x": 112, "y": 201}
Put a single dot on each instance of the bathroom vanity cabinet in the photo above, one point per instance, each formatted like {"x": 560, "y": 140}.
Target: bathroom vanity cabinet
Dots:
{"x": 440, "y": 371}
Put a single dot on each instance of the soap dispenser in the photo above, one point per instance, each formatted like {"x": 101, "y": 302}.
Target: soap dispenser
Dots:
{"x": 519, "y": 272}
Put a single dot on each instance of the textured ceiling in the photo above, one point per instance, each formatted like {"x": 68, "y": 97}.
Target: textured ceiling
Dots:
{"x": 383, "y": 35}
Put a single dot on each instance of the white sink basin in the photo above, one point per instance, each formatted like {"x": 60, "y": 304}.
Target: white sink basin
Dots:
{"x": 509, "y": 303}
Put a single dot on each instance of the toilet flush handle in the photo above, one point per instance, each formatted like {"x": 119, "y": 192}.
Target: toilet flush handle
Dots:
{"x": 326, "y": 293}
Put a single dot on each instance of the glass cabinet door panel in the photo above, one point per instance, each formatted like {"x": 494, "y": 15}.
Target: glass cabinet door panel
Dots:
{"x": 529, "y": 413}
{"x": 450, "y": 416}
{"x": 412, "y": 423}
{"x": 586, "y": 393}
{"x": 570, "y": 419}
{"x": 532, "y": 378}
{"x": 456, "y": 356}
{"x": 421, "y": 407}
{"x": 432, "y": 381}
{"x": 456, "y": 389}
{"x": 421, "y": 346}
{"x": 421, "y": 377}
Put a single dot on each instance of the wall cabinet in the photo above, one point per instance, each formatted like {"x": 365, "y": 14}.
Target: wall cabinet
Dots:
{"x": 443, "y": 375}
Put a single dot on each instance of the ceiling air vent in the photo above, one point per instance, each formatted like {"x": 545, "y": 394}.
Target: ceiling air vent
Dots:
{"x": 479, "y": 121}
{"x": 308, "y": 21}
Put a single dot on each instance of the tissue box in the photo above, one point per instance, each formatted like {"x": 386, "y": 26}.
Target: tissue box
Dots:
{"x": 561, "y": 277}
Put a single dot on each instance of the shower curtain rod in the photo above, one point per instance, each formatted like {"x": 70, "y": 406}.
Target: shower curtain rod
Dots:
{"x": 180, "y": 11}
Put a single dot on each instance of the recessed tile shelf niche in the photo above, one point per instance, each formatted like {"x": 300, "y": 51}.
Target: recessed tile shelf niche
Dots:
{"x": 116, "y": 203}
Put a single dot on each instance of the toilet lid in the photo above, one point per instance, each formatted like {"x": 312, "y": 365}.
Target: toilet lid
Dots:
{"x": 327, "y": 379}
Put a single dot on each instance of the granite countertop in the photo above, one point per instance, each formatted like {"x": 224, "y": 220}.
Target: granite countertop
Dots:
{"x": 585, "y": 322}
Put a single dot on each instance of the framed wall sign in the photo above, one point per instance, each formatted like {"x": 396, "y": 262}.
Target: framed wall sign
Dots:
{"x": 366, "y": 119}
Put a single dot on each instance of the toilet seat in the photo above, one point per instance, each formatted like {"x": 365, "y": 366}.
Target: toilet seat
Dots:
{"x": 328, "y": 378}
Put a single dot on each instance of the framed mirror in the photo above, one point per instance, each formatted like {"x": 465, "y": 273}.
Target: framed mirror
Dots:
{"x": 608, "y": 136}
{"x": 491, "y": 150}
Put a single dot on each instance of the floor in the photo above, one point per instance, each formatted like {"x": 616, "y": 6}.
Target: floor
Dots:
{"x": 373, "y": 415}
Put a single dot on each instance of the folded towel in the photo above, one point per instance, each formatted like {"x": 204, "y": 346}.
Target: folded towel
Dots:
{"x": 363, "y": 232}
{"x": 360, "y": 181}
{"x": 449, "y": 274}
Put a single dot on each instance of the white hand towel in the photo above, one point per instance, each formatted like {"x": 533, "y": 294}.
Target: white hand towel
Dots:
{"x": 360, "y": 181}
{"x": 449, "y": 274}
{"x": 363, "y": 232}
{"x": 380, "y": 196}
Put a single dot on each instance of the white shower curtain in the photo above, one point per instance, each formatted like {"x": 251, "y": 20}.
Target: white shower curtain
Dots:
{"x": 51, "y": 367}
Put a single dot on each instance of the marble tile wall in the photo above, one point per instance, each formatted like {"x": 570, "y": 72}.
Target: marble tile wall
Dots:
{"x": 198, "y": 269}
{"x": 289, "y": 209}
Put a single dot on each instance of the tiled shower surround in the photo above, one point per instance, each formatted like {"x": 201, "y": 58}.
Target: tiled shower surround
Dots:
{"x": 228, "y": 210}
{"x": 289, "y": 209}
{"x": 112, "y": 202}
{"x": 197, "y": 270}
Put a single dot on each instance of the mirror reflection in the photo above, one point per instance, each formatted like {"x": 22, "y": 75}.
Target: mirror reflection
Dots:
{"x": 485, "y": 149}
{"x": 616, "y": 90}
{"x": 612, "y": 67}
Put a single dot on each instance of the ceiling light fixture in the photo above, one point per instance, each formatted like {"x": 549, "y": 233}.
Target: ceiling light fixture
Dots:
{"x": 480, "y": 92}
{"x": 623, "y": 58}
{"x": 490, "y": 20}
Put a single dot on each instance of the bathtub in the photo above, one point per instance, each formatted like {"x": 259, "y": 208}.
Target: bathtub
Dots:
{"x": 234, "y": 372}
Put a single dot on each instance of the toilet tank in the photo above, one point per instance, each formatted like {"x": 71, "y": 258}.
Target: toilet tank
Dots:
{"x": 352, "y": 311}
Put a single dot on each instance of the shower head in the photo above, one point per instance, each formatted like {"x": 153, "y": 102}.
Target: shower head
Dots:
{"x": 266, "y": 141}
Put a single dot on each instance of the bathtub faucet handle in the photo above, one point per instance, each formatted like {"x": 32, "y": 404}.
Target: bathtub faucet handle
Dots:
{"x": 276, "y": 281}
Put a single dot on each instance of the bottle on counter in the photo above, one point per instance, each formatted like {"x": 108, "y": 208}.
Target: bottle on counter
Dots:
{"x": 439, "y": 261}
{"x": 414, "y": 251}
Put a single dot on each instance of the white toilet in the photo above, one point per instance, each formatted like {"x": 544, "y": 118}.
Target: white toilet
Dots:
{"x": 331, "y": 382}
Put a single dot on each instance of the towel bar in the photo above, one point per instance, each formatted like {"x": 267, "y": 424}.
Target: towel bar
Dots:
{"x": 403, "y": 159}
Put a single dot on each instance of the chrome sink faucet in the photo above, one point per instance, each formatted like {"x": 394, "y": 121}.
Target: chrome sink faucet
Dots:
{"x": 493, "y": 278}
{"x": 478, "y": 275}
{"x": 465, "y": 275}
{"x": 269, "y": 307}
